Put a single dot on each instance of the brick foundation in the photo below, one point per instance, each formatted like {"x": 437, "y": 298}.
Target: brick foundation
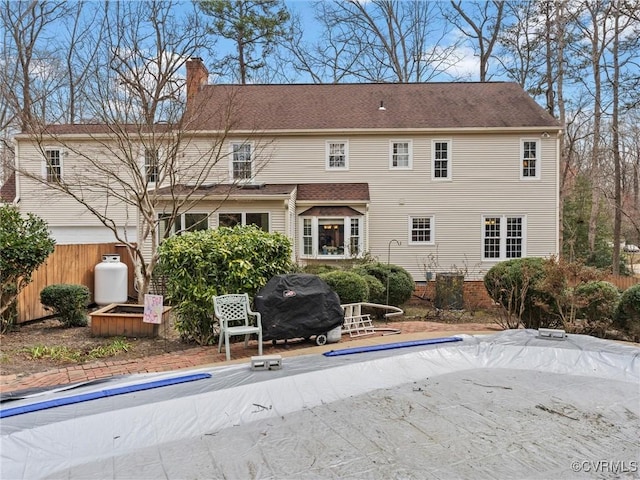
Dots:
{"x": 474, "y": 294}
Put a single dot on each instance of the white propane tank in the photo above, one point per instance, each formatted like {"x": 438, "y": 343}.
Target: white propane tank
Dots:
{"x": 110, "y": 281}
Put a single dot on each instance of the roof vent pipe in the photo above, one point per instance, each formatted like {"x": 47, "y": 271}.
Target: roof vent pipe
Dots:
{"x": 381, "y": 107}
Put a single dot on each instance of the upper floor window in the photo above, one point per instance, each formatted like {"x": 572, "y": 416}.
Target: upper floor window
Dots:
{"x": 241, "y": 161}
{"x": 421, "y": 230}
{"x": 441, "y": 160}
{"x": 503, "y": 237}
{"x": 260, "y": 220}
{"x": 53, "y": 165}
{"x": 530, "y": 159}
{"x": 151, "y": 166}
{"x": 337, "y": 155}
{"x": 400, "y": 155}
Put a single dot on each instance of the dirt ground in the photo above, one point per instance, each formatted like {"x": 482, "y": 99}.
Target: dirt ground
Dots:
{"x": 15, "y": 346}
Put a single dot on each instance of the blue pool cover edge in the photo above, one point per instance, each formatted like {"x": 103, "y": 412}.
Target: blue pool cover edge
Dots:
{"x": 391, "y": 346}
{"x": 110, "y": 392}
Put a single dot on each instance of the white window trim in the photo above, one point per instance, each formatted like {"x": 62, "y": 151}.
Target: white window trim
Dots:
{"x": 151, "y": 183}
{"x": 252, "y": 152}
{"x": 503, "y": 236}
{"x": 410, "y": 161}
{"x": 410, "y": 228}
{"x": 243, "y": 217}
{"x": 180, "y": 216}
{"x": 538, "y": 161}
{"x": 449, "y": 176}
{"x": 346, "y": 156}
{"x": 45, "y": 169}
{"x": 315, "y": 251}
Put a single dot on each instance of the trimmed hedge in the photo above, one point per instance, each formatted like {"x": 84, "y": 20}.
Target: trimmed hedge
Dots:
{"x": 199, "y": 265}
{"x": 597, "y": 299}
{"x": 401, "y": 284}
{"x": 68, "y": 302}
{"x": 350, "y": 287}
{"x": 513, "y": 284}
{"x": 627, "y": 316}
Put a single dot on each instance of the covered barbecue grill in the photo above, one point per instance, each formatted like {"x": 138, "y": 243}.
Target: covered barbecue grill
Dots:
{"x": 298, "y": 306}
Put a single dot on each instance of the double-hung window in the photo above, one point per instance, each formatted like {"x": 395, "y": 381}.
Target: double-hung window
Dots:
{"x": 503, "y": 237}
{"x": 400, "y": 154}
{"x": 53, "y": 164}
{"x": 241, "y": 168}
{"x": 151, "y": 165}
{"x": 337, "y": 155}
{"x": 441, "y": 160}
{"x": 421, "y": 230}
{"x": 261, "y": 220}
{"x": 530, "y": 153}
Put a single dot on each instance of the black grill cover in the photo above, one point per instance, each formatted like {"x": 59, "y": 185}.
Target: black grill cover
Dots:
{"x": 297, "y": 306}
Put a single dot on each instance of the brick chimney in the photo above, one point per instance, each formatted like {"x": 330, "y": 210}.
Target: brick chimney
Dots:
{"x": 197, "y": 76}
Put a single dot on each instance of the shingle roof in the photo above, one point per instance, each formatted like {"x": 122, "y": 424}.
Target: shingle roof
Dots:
{"x": 319, "y": 192}
{"x": 305, "y": 107}
{"x": 236, "y": 190}
{"x": 315, "y": 192}
{"x": 8, "y": 190}
{"x": 356, "y": 106}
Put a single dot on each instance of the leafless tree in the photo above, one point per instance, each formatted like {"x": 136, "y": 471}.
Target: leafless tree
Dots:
{"x": 481, "y": 23}
{"x": 377, "y": 41}
{"x": 135, "y": 161}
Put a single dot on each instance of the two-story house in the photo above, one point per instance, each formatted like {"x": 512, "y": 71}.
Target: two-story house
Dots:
{"x": 435, "y": 177}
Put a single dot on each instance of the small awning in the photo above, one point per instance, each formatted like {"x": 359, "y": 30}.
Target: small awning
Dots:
{"x": 330, "y": 211}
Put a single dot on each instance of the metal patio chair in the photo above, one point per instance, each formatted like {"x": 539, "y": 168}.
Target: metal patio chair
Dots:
{"x": 233, "y": 312}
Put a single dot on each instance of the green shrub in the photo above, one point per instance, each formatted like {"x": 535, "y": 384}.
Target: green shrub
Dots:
{"x": 25, "y": 243}
{"x": 627, "y": 316}
{"x": 199, "y": 265}
{"x": 514, "y": 285}
{"x": 597, "y": 299}
{"x": 319, "y": 268}
{"x": 401, "y": 284}
{"x": 376, "y": 289}
{"x": 350, "y": 287}
{"x": 68, "y": 302}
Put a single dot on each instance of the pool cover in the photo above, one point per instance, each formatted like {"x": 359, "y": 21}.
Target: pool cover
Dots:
{"x": 509, "y": 405}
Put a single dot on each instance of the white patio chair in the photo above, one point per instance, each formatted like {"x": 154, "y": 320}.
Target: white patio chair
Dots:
{"x": 232, "y": 312}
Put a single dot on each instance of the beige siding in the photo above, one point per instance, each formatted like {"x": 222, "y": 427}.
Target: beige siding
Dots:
{"x": 485, "y": 181}
{"x": 61, "y": 210}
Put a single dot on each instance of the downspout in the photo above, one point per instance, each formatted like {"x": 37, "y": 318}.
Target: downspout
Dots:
{"x": 16, "y": 165}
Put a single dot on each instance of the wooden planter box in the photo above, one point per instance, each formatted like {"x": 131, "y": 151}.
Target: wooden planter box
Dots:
{"x": 124, "y": 320}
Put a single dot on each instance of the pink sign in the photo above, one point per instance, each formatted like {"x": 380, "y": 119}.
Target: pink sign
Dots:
{"x": 153, "y": 308}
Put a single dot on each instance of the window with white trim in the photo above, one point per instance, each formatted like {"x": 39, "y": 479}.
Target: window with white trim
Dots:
{"x": 421, "y": 230}
{"x": 400, "y": 154}
{"x": 441, "y": 160}
{"x": 503, "y": 237}
{"x": 53, "y": 164}
{"x": 530, "y": 160}
{"x": 337, "y": 155}
{"x": 260, "y": 220}
{"x": 151, "y": 166}
{"x": 331, "y": 238}
{"x": 241, "y": 167}
{"x": 185, "y": 222}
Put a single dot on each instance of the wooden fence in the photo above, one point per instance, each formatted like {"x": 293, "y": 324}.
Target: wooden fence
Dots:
{"x": 68, "y": 264}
